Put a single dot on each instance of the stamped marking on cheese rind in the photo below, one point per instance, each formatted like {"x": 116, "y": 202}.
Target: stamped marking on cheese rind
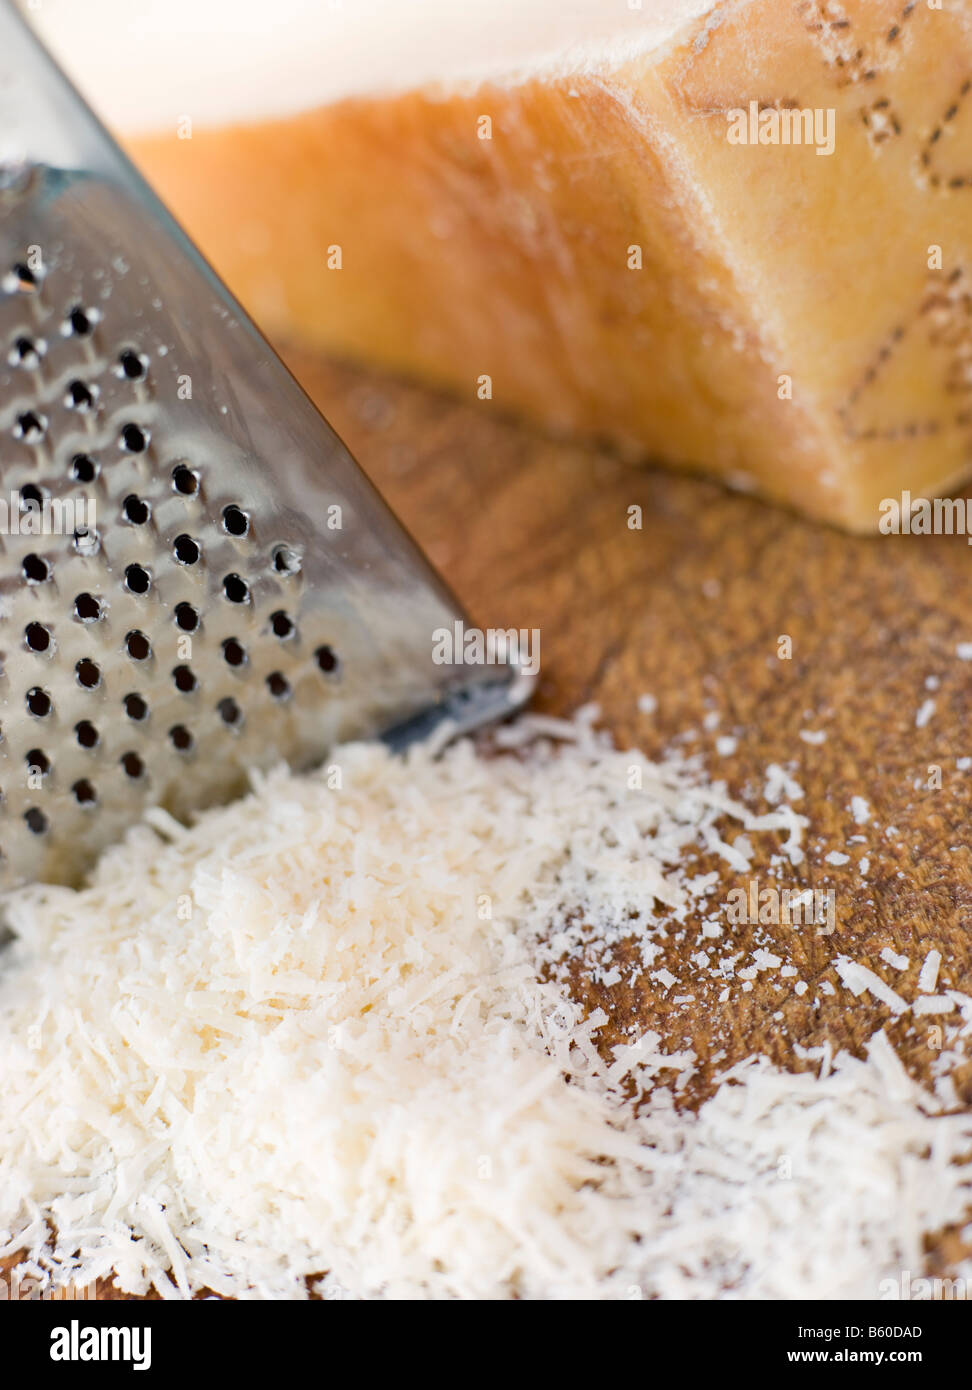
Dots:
{"x": 933, "y": 176}
{"x": 946, "y": 310}
{"x": 832, "y": 32}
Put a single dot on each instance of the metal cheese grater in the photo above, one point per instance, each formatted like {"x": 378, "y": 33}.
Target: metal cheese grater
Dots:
{"x": 242, "y": 595}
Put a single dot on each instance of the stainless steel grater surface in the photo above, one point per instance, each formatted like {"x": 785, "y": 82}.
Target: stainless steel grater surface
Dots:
{"x": 244, "y": 595}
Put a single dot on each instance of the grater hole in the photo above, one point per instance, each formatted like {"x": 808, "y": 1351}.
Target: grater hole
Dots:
{"x": 86, "y": 734}
{"x": 26, "y": 352}
{"x": 36, "y": 820}
{"x": 136, "y": 708}
{"x": 283, "y": 625}
{"x": 185, "y": 679}
{"x": 87, "y": 608}
{"x": 80, "y": 396}
{"x": 39, "y": 703}
{"x": 181, "y": 738}
{"x": 31, "y": 496}
{"x": 136, "y": 510}
{"x": 35, "y": 570}
{"x": 83, "y": 469}
{"x": 137, "y": 579}
{"x": 132, "y": 364}
{"x": 278, "y": 685}
{"x": 235, "y": 521}
{"x": 86, "y": 542}
{"x": 133, "y": 765}
{"x": 185, "y": 480}
{"x": 84, "y": 792}
{"x": 326, "y": 660}
{"x": 38, "y": 761}
{"x": 236, "y": 589}
{"x": 31, "y": 425}
{"x": 37, "y": 637}
{"x": 233, "y": 653}
{"x": 138, "y": 646}
{"x": 285, "y": 560}
{"x": 134, "y": 439}
{"x": 20, "y": 279}
{"x": 88, "y": 674}
{"x": 230, "y": 712}
{"x": 80, "y": 322}
{"x": 186, "y": 617}
{"x": 186, "y": 550}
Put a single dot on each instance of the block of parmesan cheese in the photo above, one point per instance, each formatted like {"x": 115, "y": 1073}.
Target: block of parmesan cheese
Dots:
{"x": 735, "y": 236}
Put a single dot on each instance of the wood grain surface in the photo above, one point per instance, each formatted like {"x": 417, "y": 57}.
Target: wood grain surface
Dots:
{"x": 534, "y": 533}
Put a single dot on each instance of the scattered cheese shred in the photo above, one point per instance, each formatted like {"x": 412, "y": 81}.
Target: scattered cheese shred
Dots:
{"x": 928, "y": 974}
{"x": 934, "y": 1004}
{"x": 924, "y": 713}
{"x": 858, "y": 978}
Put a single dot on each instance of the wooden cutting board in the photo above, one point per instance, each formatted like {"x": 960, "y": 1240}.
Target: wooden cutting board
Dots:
{"x": 691, "y": 609}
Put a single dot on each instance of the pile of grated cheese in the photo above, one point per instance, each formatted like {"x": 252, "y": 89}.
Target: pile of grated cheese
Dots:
{"x": 314, "y": 1042}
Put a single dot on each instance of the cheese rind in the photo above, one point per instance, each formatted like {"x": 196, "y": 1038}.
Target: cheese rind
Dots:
{"x": 609, "y": 263}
